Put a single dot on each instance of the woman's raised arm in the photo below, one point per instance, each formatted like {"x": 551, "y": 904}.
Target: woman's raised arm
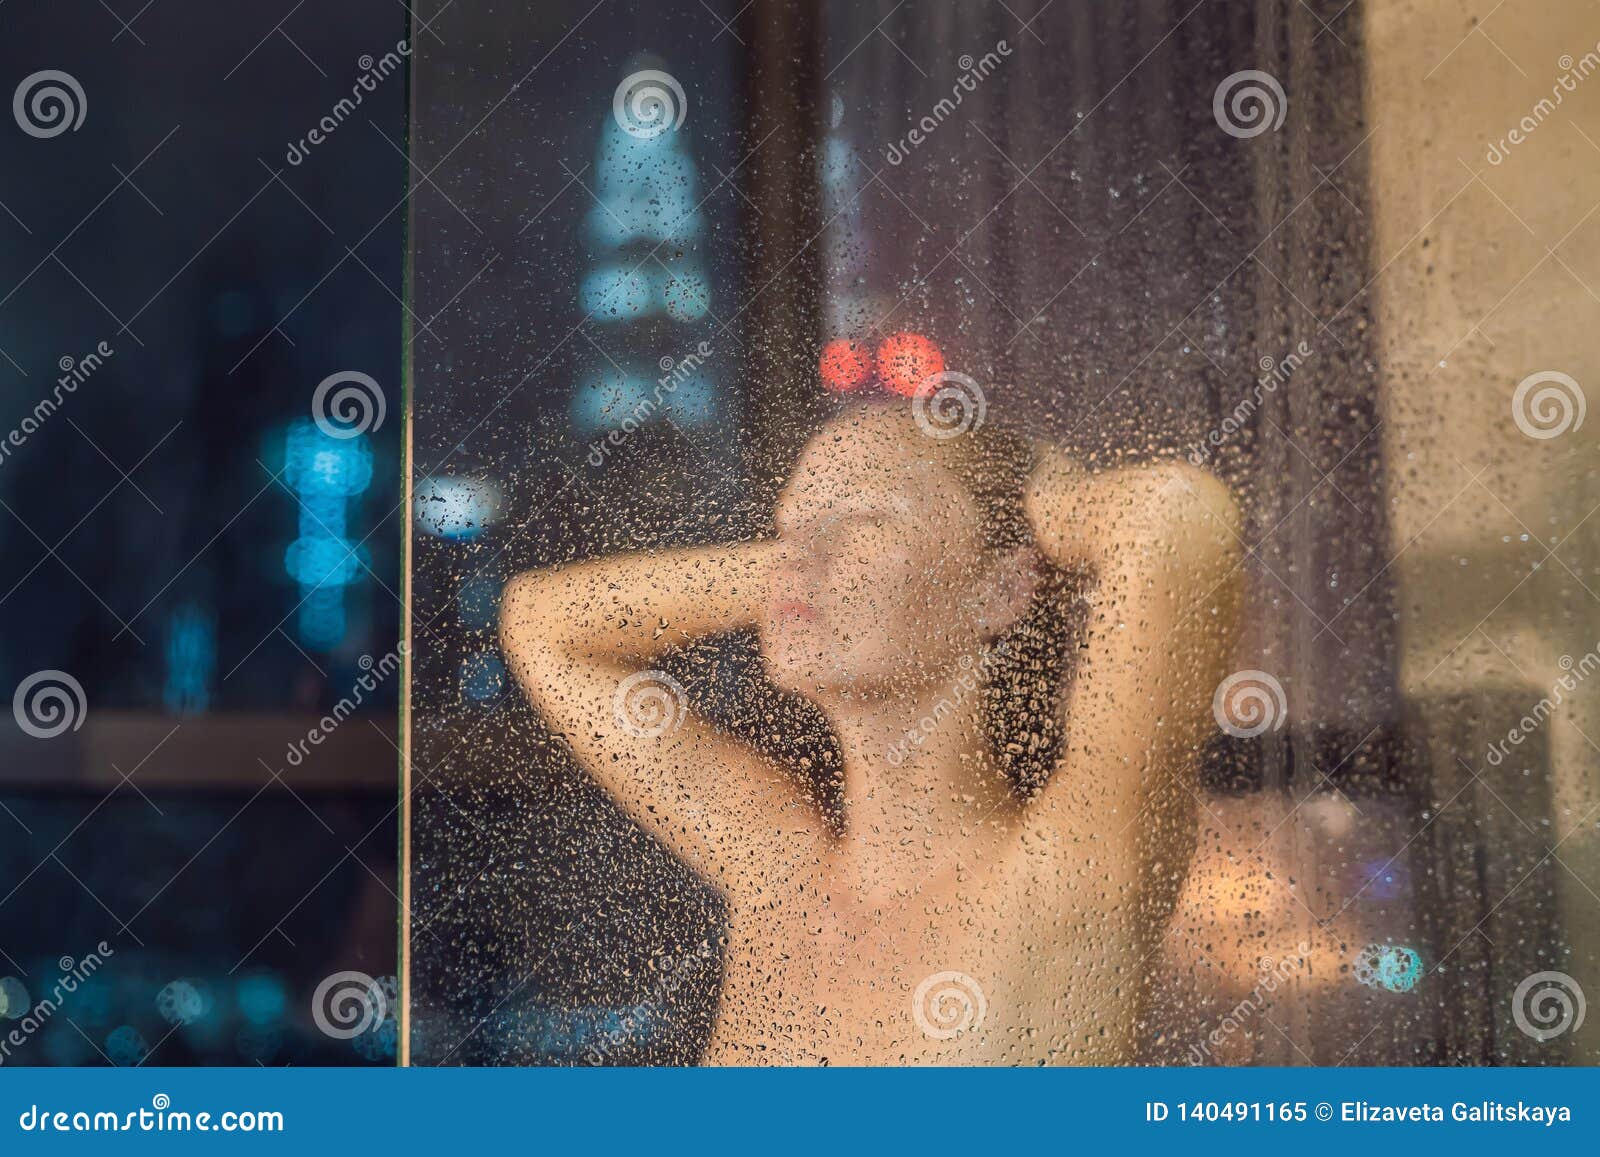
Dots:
{"x": 583, "y": 640}
{"x": 1163, "y": 544}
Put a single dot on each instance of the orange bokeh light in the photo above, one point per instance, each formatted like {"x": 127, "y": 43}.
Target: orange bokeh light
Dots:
{"x": 846, "y": 365}
{"x": 906, "y": 360}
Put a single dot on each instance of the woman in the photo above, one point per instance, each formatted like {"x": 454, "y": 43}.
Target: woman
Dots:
{"x": 956, "y": 904}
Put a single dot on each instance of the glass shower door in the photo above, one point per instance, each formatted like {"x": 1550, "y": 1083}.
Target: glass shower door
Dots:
{"x": 689, "y": 283}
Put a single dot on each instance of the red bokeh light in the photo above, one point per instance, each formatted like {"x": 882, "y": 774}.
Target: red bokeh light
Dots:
{"x": 906, "y": 360}
{"x": 846, "y": 365}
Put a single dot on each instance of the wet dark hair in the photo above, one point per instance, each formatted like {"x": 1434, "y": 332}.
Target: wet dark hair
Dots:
{"x": 1032, "y": 660}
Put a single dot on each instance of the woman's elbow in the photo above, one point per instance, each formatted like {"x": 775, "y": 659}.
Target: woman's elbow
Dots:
{"x": 521, "y": 638}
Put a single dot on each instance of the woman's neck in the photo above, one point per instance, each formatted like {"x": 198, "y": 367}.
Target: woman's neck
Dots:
{"x": 917, "y": 765}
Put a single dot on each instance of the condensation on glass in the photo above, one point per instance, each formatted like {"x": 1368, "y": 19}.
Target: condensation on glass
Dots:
{"x": 959, "y": 533}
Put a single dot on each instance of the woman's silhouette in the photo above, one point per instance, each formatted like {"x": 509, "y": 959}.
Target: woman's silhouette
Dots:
{"x": 1001, "y": 863}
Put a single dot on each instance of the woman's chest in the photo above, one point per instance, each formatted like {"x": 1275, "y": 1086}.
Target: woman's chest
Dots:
{"x": 854, "y": 963}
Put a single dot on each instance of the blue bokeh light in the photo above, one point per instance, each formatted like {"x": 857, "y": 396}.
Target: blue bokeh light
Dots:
{"x": 262, "y": 997}
{"x": 325, "y": 473}
{"x": 191, "y": 660}
{"x": 1393, "y": 967}
{"x": 456, "y": 508}
{"x": 125, "y": 1046}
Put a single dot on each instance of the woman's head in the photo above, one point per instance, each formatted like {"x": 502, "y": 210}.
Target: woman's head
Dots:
{"x": 903, "y": 554}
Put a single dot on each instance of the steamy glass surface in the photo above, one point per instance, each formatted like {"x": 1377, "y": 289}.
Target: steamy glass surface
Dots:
{"x": 967, "y": 533}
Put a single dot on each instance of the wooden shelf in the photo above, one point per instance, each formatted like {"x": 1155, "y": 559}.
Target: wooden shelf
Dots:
{"x": 224, "y": 752}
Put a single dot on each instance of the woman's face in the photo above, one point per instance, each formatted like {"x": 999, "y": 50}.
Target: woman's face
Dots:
{"x": 880, "y": 564}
